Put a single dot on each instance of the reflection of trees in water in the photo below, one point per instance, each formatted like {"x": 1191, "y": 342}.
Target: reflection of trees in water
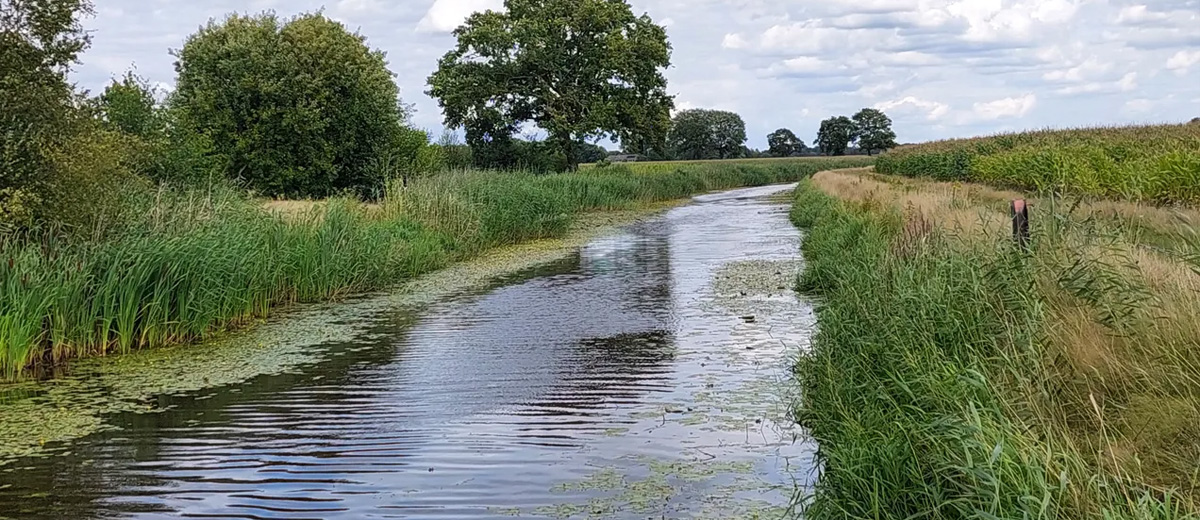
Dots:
{"x": 595, "y": 326}
{"x": 625, "y": 364}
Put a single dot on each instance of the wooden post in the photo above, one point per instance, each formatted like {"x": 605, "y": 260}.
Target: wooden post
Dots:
{"x": 1020, "y": 216}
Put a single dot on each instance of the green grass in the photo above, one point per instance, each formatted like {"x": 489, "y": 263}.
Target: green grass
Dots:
{"x": 941, "y": 384}
{"x": 185, "y": 265}
{"x": 1144, "y": 163}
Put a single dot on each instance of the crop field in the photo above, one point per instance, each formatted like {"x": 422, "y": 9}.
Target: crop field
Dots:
{"x": 1141, "y": 163}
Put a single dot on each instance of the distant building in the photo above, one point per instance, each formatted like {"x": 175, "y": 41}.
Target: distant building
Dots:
{"x": 624, "y": 158}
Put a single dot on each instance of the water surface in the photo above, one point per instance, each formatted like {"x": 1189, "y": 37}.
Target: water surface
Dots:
{"x": 645, "y": 375}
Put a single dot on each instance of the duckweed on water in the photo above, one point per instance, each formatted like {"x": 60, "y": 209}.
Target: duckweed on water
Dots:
{"x": 37, "y": 418}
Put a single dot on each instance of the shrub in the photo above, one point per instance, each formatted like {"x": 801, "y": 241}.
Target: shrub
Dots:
{"x": 299, "y": 108}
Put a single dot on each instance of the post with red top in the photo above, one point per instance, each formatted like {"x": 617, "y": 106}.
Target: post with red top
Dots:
{"x": 1020, "y": 216}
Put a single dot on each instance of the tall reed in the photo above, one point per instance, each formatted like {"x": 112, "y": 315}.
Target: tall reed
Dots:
{"x": 945, "y": 383}
{"x": 186, "y": 264}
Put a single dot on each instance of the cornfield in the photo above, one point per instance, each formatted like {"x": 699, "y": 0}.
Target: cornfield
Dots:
{"x": 1140, "y": 163}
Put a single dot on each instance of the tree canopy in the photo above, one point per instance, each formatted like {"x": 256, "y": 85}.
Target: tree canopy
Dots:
{"x": 707, "y": 134}
{"x": 128, "y": 105}
{"x": 39, "y": 41}
{"x": 578, "y": 69}
{"x": 873, "y": 129}
{"x": 784, "y": 143}
{"x": 835, "y": 135}
{"x": 297, "y": 108}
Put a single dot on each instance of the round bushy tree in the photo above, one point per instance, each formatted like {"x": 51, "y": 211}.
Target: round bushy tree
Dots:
{"x": 296, "y": 108}
{"x": 707, "y": 134}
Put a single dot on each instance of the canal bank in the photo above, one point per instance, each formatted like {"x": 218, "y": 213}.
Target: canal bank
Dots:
{"x": 640, "y": 372}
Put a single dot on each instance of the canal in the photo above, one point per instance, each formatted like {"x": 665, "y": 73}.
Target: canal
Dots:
{"x": 646, "y": 374}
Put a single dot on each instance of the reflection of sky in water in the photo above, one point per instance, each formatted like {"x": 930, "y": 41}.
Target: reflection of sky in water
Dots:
{"x": 475, "y": 404}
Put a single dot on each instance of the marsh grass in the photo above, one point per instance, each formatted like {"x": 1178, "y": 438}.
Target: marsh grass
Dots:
{"x": 954, "y": 376}
{"x": 182, "y": 265}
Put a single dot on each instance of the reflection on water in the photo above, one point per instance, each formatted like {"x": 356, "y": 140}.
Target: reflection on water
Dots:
{"x": 615, "y": 383}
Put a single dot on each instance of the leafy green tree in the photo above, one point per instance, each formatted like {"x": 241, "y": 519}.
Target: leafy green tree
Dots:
{"x": 784, "y": 143}
{"x": 39, "y": 40}
{"x": 873, "y": 129}
{"x": 296, "y": 108}
{"x": 591, "y": 153}
{"x": 129, "y": 106}
{"x": 578, "y": 69}
{"x": 835, "y": 135}
{"x": 707, "y": 134}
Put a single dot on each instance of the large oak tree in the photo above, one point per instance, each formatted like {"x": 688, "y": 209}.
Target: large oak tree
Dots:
{"x": 707, "y": 134}
{"x": 835, "y": 135}
{"x": 873, "y": 129}
{"x": 784, "y": 143}
{"x": 578, "y": 69}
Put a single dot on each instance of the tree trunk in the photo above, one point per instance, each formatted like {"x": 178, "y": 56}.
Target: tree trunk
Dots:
{"x": 569, "y": 150}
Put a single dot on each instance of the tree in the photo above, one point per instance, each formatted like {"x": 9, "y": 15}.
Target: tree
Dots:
{"x": 707, "y": 134}
{"x": 128, "y": 106}
{"x": 873, "y": 129}
{"x": 591, "y": 153}
{"x": 578, "y": 69}
{"x": 38, "y": 43}
{"x": 835, "y": 135}
{"x": 784, "y": 143}
{"x": 296, "y": 108}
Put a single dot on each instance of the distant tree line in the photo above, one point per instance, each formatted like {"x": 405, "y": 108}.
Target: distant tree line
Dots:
{"x": 698, "y": 134}
{"x": 303, "y": 107}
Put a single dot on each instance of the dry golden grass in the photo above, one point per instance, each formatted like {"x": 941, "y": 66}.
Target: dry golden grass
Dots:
{"x": 298, "y": 209}
{"x": 968, "y": 209}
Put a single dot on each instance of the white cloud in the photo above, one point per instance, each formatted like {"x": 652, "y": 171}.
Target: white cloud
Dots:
{"x": 447, "y": 15}
{"x": 804, "y": 64}
{"x": 734, "y": 41}
{"x": 1182, "y": 61}
{"x": 1138, "y": 106}
{"x": 877, "y": 89}
{"x": 1087, "y": 70}
{"x": 1128, "y": 82}
{"x": 1138, "y": 14}
{"x": 1007, "y": 107}
{"x": 933, "y": 110}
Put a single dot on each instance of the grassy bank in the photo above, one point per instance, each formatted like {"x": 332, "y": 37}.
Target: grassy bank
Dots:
{"x": 1143, "y": 163}
{"x": 957, "y": 377}
{"x": 183, "y": 265}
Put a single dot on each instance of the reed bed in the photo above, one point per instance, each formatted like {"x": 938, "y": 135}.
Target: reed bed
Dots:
{"x": 184, "y": 265}
{"x": 955, "y": 376}
{"x": 1140, "y": 163}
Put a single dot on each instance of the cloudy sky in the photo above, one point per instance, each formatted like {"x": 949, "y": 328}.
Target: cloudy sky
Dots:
{"x": 939, "y": 68}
